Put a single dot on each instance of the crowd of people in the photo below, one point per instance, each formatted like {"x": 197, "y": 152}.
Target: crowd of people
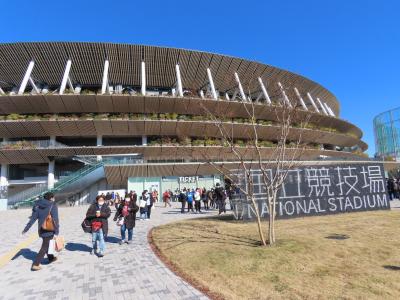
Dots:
{"x": 45, "y": 211}
{"x": 393, "y": 188}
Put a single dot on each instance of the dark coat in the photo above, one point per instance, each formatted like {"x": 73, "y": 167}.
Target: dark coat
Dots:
{"x": 130, "y": 219}
{"x": 105, "y": 213}
{"x": 40, "y": 211}
{"x": 220, "y": 194}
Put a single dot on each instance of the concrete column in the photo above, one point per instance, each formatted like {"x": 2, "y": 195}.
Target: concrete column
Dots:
{"x": 4, "y": 184}
{"x": 4, "y": 175}
{"x": 50, "y": 178}
{"x": 4, "y": 187}
{"x": 144, "y": 140}
{"x": 99, "y": 143}
{"x": 52, "y": 140}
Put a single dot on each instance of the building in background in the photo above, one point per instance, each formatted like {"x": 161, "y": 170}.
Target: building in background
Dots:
{"x": 76, "y": 118}
{"x": 387, "y": 134}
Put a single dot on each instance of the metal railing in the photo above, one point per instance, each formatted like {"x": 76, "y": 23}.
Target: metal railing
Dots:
{"x": 26, "y": 198}
{"x": 36, "y": 190}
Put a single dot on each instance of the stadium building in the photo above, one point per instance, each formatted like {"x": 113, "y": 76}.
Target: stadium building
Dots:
{"x": 76, "y": 118}
{"x": 387, "y": 134}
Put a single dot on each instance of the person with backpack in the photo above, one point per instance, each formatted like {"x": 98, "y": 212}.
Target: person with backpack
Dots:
{"x": 45, "y": 211}
{"x": 98, "y": 214}
{"x": 126, "y": 216}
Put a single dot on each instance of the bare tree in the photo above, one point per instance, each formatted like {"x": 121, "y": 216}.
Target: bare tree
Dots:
{"x": 274, "y": 164}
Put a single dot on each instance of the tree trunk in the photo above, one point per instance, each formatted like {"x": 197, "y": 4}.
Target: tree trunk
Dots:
{"x": 273, "y": 214}
{"x": 270, "y": 221}
{"x": 259, "y": 225}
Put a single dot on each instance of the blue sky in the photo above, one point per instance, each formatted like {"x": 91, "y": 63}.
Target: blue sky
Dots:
{"x": 352, "y": 47}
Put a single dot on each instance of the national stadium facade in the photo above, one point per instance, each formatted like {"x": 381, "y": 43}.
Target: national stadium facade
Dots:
{"x": 79, "y": 117}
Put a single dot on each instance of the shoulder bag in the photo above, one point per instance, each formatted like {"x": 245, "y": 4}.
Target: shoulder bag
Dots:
{"x": 48, "y": 224}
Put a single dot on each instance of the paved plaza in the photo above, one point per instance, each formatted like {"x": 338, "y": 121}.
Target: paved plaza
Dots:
{"x": 125, "y": 272}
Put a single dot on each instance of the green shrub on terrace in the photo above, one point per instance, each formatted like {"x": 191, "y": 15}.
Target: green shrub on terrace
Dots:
{"x": 87, "y": 92}
{"x": 212, "y": 142}
{"x": 183, "y": 117}
{"x": 266, "y": 144}
{"x": 101, "y": 116}
{"x": 185, "y": 141}
{"x": 197, "y": 118}
{"x": 198, "y": 142}
{"x": 15, "y": 117}
{"x": 88, "y": 116}
{"x": 32, "y": 117}
{"x": 48, "y": 117}
{"x": 152, "y": 116}
{"x": 136, "y": 116}
{"x": 240, "y": 143}
{"x": 155, "y": 142}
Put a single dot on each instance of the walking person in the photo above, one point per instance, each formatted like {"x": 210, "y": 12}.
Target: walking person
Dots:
{"x": 98, "y": 214}
{"x": 210, "y": 198}
{"x": 197, "y": 201}
{"x": 45, "y": 211}
{"x": 182, "y": 198}
{"x": 167, "y": 198}
{"x": 143, "y": 206}
{"x": 390, "y": 188}
{"x": 221, "y": 197}
{"x": 396, "y": 188}
{"x": 204, "y": 198}
{"x": 126, "y": 216}
{"x": 149, "y": 204}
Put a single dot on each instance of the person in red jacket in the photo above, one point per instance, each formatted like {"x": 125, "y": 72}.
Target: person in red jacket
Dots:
{"x": 98, "y": 213}
{"x": 167, "y": 198}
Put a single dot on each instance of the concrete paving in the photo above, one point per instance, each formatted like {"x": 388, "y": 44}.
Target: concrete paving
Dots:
{"x": 125, "y": 272}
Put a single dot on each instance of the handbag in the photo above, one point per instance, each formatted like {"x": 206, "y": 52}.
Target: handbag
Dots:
{"x": 48, "y": 224}
{"x": 52, "y": 247}
{"x": 120, "y": 222}
{"x": 59, "y": 243}
{"x": 86, "y": 226}
{"x": 142, "y": 203}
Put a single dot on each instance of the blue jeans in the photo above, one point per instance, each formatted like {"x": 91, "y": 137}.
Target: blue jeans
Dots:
{"x": 98, "y": 236}
{"x": 130, "y": 233}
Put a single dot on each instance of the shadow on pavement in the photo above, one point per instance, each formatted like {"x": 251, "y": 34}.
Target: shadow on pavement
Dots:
{"x": 77, "y": 247}
{"x": 25, "y": 253}
{"x": 392, "y": 268}
{"x": 337, "y": 236}
{"x": 112, "y": 240}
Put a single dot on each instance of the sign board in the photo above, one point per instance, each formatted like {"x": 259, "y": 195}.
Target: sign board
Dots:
{"x": 188, "y": 179}
{"x": 318, "y": 190}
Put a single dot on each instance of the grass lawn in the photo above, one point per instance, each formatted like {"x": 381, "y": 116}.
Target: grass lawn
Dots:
{"x": 348, "y": 256}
